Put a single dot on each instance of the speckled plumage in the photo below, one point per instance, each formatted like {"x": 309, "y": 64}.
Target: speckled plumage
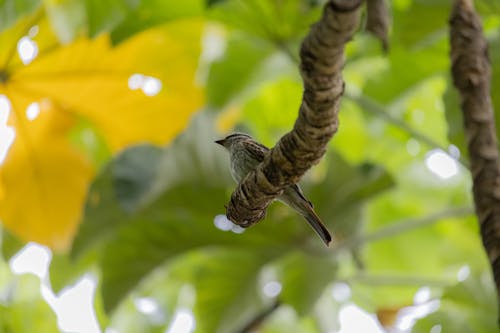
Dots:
{"x": 246, "y": 154}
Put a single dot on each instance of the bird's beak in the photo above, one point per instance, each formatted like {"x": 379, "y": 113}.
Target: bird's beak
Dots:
{"x": 220, "y": 142}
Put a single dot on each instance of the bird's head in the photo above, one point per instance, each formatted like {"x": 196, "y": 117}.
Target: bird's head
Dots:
{"x": 232, "y": 139}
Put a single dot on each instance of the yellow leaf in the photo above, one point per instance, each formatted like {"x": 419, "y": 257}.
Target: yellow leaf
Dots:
{"x": 143, "y": 90}
{"x": 44, "y": 178}
{"x": 92, "y": 79}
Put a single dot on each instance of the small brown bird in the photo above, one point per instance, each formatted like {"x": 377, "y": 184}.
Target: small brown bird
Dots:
{"x": 245, "y": 154}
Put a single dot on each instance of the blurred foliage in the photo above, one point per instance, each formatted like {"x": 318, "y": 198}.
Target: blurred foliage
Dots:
{"x": 82, "y": 89}
{"x": 126, "y": 182}
{"x": 20, "y": 299}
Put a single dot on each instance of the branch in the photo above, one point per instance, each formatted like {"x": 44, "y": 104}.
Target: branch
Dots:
{"x": 260, "y": 317}
{"x": 378, "y": 21}
{"x": 398, "y": 228}
{"x": 471, "y": 75}
{"x": 322, "y": 58}
{"x": 369, "y": 105}
{"x": 395, "y": 280}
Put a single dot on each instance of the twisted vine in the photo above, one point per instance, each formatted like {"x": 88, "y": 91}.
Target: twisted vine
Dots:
{"x": 322, "y": 59}
{"x": 471, "y": 73}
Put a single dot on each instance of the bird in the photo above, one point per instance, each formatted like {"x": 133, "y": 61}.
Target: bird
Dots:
{"x": 245, "y": 154}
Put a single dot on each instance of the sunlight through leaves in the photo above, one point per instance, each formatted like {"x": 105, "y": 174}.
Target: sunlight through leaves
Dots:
{"x": 7, "y": 133}
{"x": 463, "y": 273}
{"x": 27, "y": 49}
{"x": 272, "y": 289}
{"x": 441, "y": 164}
{"x": 183, "y": 322}
{"x": 341, "y": 292}
{"x": 151, "y": 86}
{"x": 32, "y": 111}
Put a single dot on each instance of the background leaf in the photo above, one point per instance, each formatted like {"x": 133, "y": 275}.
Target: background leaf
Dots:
{"x": 226, "y": 287}
{"x": 55, "y": 84}
{"x": 230, "y": 75}
{"x": 12, "y": 10}
{"x": 105, "y": 15}
{"x": 153, "y": 229}
{"x": 304, "y": 280}
{"x": 150, "y": 13}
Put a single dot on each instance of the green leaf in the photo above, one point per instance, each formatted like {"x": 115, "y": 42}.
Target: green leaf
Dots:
{"x": 226, "y": 287}
{"x": 338, "y": 200}
{"x": 10, "y": 244}
{"x": 101, "y": 205}
{"x": 410, "y": 31}
{"x": 277, "y": 21}
{"x": 94, "y": 146}
{"x": 134, "y": 175}
{"x": 421, "y": 47}
{"x": 65, "y": 270}
{"x": 12, "y": 10}
{"x": 105, "y": 15}
{"x": 236, "y": 70}
{"x": 73, "y": 18}
{"x": 149, "y": 13}
{"x": 488, "y": 7}
{"x": 213, "y": 2}
{"x": 68, "y": 18}
{"x": 129, "y": 320}
{"x": 304, "y": 278}
{"x": 396, "y": 80}
{"x": 286, "y": 320}
{"x": 273, "y": 109}
{"x": 369, "y": 181}
{"x": 446, "y": 322}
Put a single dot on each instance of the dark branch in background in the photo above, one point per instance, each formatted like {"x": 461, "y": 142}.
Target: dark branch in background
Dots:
{"x": 260, "y": 318}
{"x": 398, "y": 228}
{"x": 322, "y": 58}
{"x": 377, "y": 20}
{"x": 471, "y": 75}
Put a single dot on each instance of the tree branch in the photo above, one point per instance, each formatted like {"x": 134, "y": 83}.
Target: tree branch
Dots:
{"x": 401, "y": 227}
{"x": 369, "y": 105}
{"x": 471, "y": 75}
{"x": 322, "y": 58}
{"x": 378, "y": 21}
{"x": 260, "y": 318}
{"x": 395, "y": 280}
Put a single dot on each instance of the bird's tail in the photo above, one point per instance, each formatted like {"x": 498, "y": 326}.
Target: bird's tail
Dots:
{"x": 318, "y": 226}
{"x": 293, "y": 197}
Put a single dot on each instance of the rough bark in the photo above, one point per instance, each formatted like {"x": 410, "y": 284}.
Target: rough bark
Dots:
{"x": 322, "y": 59}
{"x": 471, "y": 75}
{"x": 377, "y": 20}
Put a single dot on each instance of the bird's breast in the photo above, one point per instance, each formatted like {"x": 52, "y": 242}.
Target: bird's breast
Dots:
{"x": 241, "y": 164}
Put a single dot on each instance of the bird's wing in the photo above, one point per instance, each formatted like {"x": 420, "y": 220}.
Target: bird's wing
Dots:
{"x": 256, "y": 150}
